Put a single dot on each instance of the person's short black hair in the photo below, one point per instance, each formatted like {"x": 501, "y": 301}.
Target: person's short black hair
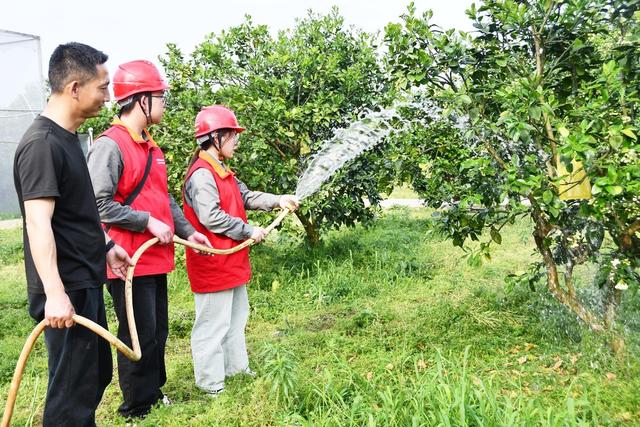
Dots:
{"x": 73, "y": 61}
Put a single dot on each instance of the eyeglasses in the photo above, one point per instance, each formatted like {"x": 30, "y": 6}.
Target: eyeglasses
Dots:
{"x": 163, "y": 97}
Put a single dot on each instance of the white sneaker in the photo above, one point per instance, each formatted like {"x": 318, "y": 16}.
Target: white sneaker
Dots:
{"x": 245, "y": 371}
{"x": 215, "y": 393}
{"x": 166, "y": 401}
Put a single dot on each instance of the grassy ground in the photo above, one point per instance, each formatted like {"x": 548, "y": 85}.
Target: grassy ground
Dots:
{"x": 403, "y": 192}
{"x": 382, "y": 326}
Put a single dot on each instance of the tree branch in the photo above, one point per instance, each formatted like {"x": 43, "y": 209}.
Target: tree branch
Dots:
{"x": 494, "y": 154}
{"x": 539, "y": 54}
{"x": 274, "y": 145}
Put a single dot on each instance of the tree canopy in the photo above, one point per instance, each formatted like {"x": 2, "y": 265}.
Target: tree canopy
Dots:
{"x": 550, "y": 92}
{"x": 291, "y": 91}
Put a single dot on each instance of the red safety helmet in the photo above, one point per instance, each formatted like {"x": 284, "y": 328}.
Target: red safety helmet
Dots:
{"x": 136, "y": 77}
{"x": 216, "y": 117}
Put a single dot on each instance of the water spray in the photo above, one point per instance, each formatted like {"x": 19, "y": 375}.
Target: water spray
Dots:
{"x": 362, "y": 135}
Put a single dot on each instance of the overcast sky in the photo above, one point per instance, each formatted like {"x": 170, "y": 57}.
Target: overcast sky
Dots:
{"x": 135, "y": 29}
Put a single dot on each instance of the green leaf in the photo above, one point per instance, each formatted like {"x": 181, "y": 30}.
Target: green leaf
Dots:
{"x": 495, "y": 235}
{"x": 629, "y": 133}
{"x": 547, "y": 196}
{"x": 563, "y": 131}
{"x": 614, "y": 190}
{"x": 535, "y": 113}
{"x": 465, "y": 99}
{"x": 474, "y": 260}
{"x": 304, "y": 149}
{"x": 616, "y": 141}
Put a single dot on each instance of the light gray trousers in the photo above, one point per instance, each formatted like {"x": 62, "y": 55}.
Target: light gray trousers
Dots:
{"x": 218, "y": 344}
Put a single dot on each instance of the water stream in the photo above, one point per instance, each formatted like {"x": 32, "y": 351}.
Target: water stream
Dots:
{"x": 347, "y": 143}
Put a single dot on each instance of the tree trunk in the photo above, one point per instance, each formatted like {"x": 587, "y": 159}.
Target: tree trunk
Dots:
{"x": 612, "y": 301}
{"x": 553, "y": 284}
{"x": 569, "y": 299}
{"x": 313, "y": 235}
{"x": 611, "y": 305}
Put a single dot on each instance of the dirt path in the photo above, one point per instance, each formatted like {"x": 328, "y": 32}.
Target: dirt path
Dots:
{"x": 10, "y": 223}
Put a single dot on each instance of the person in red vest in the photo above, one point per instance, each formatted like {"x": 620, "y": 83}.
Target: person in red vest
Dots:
{"x": 214, "y": 203}
{"x": 129, "y": 179}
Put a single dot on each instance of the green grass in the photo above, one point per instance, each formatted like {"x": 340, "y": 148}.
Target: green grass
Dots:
{"x": 403, "y": 192}
{"x": 5, "y": 216}
{"x": 383, "y": 326}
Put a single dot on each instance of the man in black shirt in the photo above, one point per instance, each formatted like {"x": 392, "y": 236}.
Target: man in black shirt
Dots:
{"x": 64, "y": 242}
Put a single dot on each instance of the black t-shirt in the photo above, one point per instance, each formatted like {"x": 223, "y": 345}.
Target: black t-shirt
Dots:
{"x": 49, "y": 163}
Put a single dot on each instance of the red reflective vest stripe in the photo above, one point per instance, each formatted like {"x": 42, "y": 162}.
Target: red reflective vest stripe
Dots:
{"x": 153, "y": 198}
{"x": 218, "y": 272}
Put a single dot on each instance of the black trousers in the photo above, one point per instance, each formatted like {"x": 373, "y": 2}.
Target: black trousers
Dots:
{"x": 79, "y": 362}
{"x": 141, "y": 381}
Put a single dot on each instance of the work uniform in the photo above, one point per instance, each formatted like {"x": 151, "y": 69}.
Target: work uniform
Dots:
{"x": 214, "y": 203}
{"x": 117, "y": 162}
{"x": 49, "y": 163}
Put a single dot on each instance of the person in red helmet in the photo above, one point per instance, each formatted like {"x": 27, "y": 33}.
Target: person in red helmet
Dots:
{"x": 129, "y": 178}
{"x": 214, "y": 203}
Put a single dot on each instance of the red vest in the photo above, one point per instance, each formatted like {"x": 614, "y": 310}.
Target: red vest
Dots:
{"x": 218, "y": 272}
{"x": 153, "y": 198}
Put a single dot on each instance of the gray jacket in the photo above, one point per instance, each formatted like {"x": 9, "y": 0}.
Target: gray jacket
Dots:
{"x": 201, "y": 193}
{"x": 105, "y": 167}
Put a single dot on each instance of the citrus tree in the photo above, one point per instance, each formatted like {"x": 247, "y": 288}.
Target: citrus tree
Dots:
{"x": 290, "y": 91}
{"x": 548, "y": 93}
